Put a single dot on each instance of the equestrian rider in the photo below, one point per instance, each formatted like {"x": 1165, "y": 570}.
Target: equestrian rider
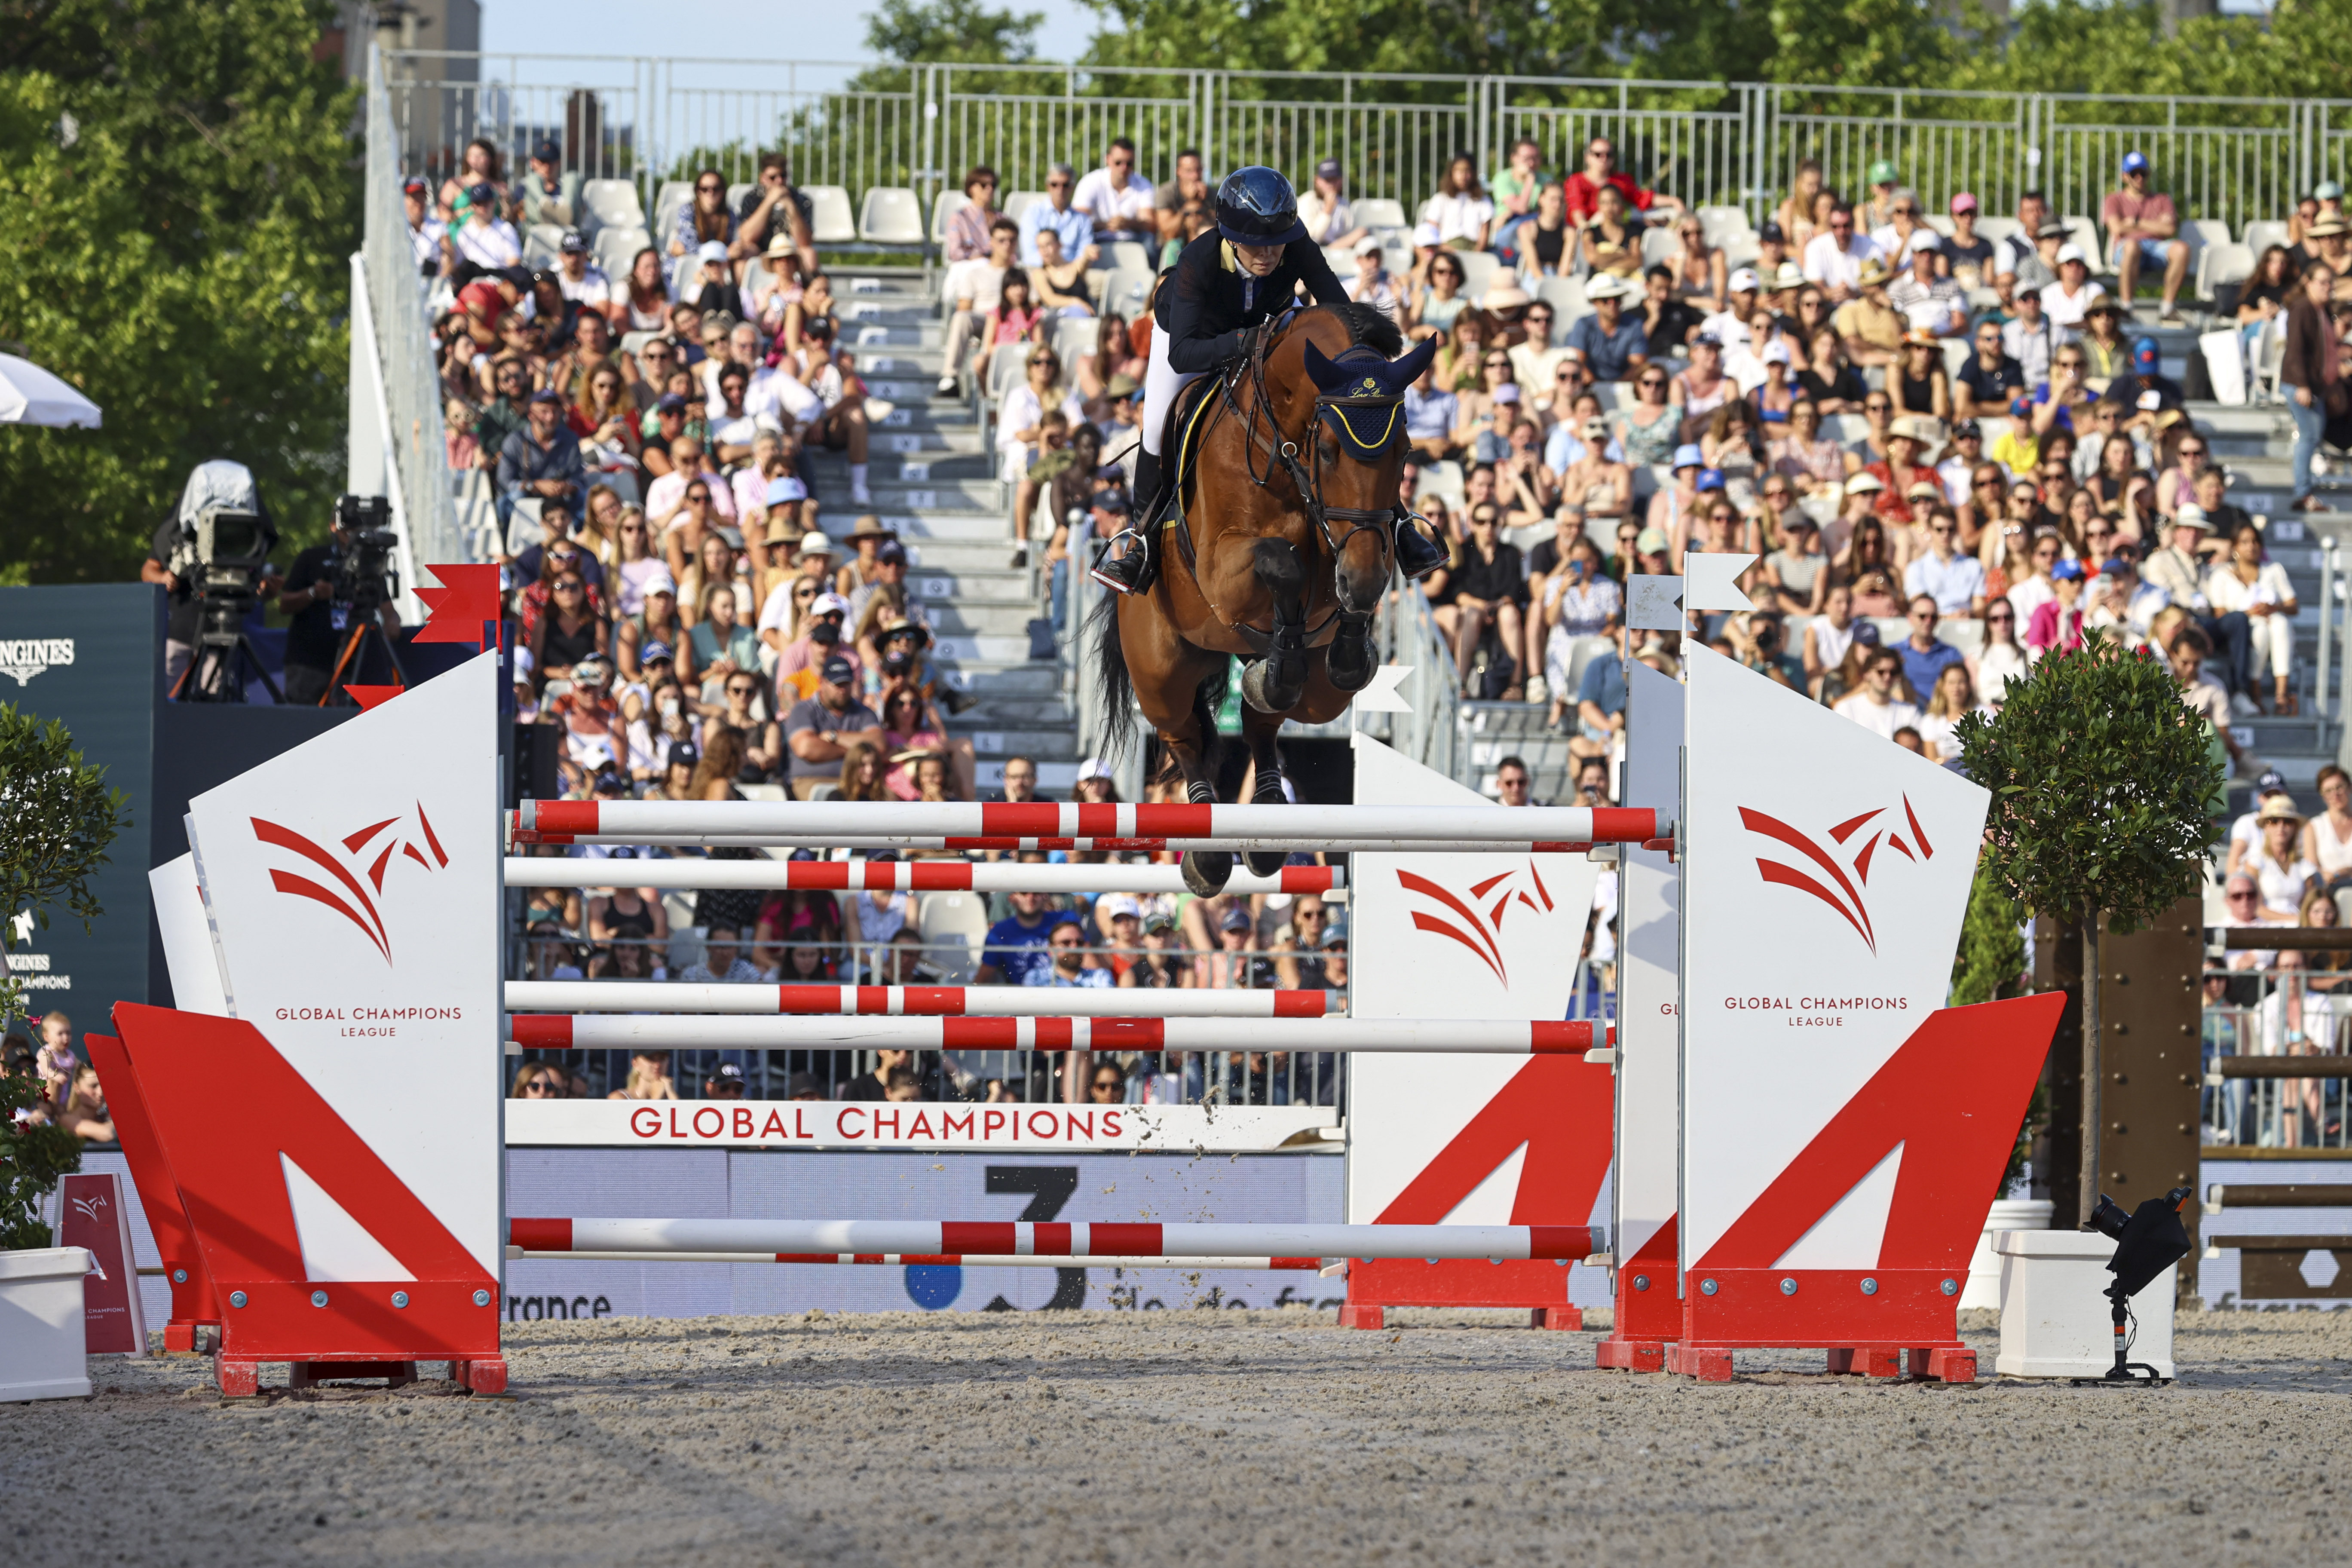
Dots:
{"x": 1239, "y": 275}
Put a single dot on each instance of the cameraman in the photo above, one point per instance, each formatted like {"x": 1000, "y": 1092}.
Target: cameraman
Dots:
{"x": 317, "y": 626}
{"x": 171, "y": 561}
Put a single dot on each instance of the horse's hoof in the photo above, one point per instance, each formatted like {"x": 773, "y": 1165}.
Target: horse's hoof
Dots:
{"x": 1206, "y": 872}
{"x": 1265, "y": 863}
{"x": 1349, "y": 664}
{"x": 1267, "y": 692}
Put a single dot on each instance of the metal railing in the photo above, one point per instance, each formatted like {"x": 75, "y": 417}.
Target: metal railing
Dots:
{"x": 389, "y": 313}
{"x": 654, "y": 120}
{"x": 2271, "y": 1014}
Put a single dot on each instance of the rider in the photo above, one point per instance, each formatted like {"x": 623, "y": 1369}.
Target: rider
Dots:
{"x": 1240, "y": 275}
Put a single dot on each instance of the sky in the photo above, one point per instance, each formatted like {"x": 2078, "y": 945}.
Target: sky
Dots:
{"x": 793, "y": 29}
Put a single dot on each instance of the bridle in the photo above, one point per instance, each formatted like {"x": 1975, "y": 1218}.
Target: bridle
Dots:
{"x": 1333, "y": 408}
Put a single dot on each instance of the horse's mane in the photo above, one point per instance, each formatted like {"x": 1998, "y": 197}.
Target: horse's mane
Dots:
{"x": 1369, "y": 327}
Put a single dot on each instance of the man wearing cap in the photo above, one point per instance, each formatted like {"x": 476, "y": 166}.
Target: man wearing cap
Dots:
{"x": 2119, "y": 600}
{"x": 1371, "y": 285}
{"x": 1729, "y": 326}
{"x": 653, "y": 629}
{"x": 551, "y": 194}
{"x": 1614, "y": 345}
{"x": 819, "y": 729}
{"x": 1929, "y": 302}
{"x": 483, "y": 237}
{"x": 2144, "y": 230}
{"x": 2068, "y": 300}
{"x": 825, "y": 635}
{"x": 2180, "y": 570}
{"x": 1869, "y": 327}
{"x": 1675, "y": 507}
{"x": 2144, "y": 389}
{"x": 1877, "y": 210}
{"x": 579, "y": 278}
{"x": 1833, "y": 260}
{"x": 1772, "y": 254}
{"x": 541, "y": 460}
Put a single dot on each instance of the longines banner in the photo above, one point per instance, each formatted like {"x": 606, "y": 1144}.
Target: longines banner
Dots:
{"x": 350, "y": 884}
{"x": 92, "y": 658}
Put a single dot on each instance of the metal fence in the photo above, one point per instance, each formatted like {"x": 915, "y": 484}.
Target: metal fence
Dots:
{"x": 392, "y": 312}
{"x": 654, "y": 120}
{"x": 2276, "y": 1013}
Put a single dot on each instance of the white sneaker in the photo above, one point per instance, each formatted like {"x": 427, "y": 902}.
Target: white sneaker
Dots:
{"x": 2243, "y": 706}
{"x": 1539, "y": 688}
{"x": 861, "y": 495}
{"x": 947, "y": 386}
{"x": 879, "y": 410}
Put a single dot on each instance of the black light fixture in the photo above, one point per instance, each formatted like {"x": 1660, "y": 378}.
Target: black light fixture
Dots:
{"x": 2149, "y": 1241}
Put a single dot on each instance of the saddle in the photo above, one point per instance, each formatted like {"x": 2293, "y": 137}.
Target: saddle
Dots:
{"x": 1181, "y": 439}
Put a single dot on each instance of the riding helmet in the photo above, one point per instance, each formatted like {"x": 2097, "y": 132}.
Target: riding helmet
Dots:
{"x": 1256, "y": 206}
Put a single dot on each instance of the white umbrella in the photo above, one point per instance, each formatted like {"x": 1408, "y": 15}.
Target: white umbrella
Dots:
{"x": 31, "y": 396}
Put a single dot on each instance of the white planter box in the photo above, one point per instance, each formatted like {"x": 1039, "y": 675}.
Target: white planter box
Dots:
{"x": 41, "y": 1334}
{"x": 2054, "y": 1318}
{"x": 1983, "y": 1287}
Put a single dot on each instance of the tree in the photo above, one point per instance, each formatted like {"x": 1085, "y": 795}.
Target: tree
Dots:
{"x": 2100, "y": 777}
{"x": 1991, "y": 962}
{"x": 179, "y": 197}
{"x": 61, "y": 818}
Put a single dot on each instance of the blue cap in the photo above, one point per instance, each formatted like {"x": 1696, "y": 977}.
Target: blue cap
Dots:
{"x": 1686, "y": 456}
{"x": 1710, "y": 478}
{"x": 2066, "y": 571}
{"x": 2144, "y": 355}
{"x": 2135, "y": 163}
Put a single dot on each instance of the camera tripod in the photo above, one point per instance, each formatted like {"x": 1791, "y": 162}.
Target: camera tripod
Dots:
{"x": 354, "y": 658}
{"x": 216, "y": 672}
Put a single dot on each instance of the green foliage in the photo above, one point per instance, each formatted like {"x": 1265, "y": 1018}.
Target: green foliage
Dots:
{"x": 59, "y": 817}
{"x": 179, "y": 197}
{"x": 953, "y": 32}
{"x": 31, "y": 1161}
{"x": 1991, "y": 962}
{"x": 2100, "y": 777}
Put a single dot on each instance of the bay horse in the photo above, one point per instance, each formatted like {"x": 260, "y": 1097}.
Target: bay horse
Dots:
{"x": 1287, "y": 468}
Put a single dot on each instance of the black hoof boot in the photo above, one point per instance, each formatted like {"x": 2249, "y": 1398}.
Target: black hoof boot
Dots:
{"x": 1206, "y": 871}
{"x": 1268, "y": 792}
{"x": 1350, "y": 660}
{"x": 1417, "y": 556}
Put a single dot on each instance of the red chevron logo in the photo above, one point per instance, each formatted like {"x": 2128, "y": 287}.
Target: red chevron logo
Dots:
{"x": 358, "y": 884}
{"x": 1479, "y": 930}
{"x": 1849, "y": 878}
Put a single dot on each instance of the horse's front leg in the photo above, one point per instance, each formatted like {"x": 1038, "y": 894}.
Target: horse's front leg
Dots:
{"x": 1260, "y": 732}
{"x": 1274, "y": 684}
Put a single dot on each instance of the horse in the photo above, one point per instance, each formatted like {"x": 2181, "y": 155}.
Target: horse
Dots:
{"x": 1279, "y": 552}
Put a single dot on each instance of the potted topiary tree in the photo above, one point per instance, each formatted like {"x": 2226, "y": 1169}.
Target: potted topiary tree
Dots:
{"x": 59, "y": 817}
{"x": 2102, "y": 780}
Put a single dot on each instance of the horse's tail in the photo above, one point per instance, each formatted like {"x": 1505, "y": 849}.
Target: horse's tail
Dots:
{"x": 1116, "y": 714}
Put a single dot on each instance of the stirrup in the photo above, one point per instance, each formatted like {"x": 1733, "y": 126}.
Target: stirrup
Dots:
{"x": 1417, "y": 556}
{"x": 1128, "y": 574}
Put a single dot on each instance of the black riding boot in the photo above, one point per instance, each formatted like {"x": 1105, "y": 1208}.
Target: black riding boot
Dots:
{"x": 1132, "y": 571}
{"x": 1416, "y": 554}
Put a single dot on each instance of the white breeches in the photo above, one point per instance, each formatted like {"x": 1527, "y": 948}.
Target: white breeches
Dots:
{"x": 1160, "y": 386}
